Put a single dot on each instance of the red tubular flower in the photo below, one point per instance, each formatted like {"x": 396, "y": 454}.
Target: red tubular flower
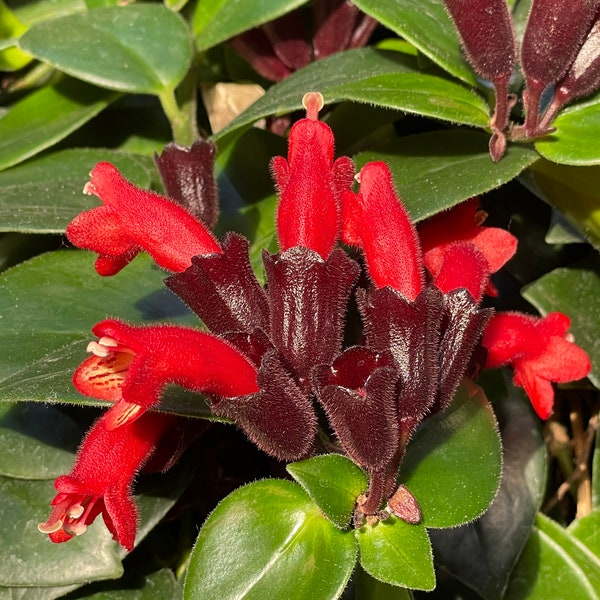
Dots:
{"x": 310, "y": 183}
{"x": 540, "y": 352}
{"x": 101, "y": 480}
{"x": 376, "y": 220}
{"x": 131, "y": 365}
{"x": 463, "y": 225}
{"x": 131, "y": 220}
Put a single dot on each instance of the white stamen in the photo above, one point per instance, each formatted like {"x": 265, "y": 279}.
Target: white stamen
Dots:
{"x": 75, "y": 511}
{"x": 50, "y": 527}
{"x": 88, "y": 189}
{"x": 98, "y": 350}
{"x": 75, "y": 528}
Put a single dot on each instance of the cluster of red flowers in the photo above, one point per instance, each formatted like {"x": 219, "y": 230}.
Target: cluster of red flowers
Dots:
{"x": 560, "y": 52}
{"x": 273, "y": 356}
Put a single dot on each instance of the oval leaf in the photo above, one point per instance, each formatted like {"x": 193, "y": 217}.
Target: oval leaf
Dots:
{"x": 397, "y": 553}
{"x": 143, "y": 48}
{"x": 454, "y": 462}
{"x": 455, "y": 161}
{"x": 426, "y": 25}
{"x": 219, "y": 20}
{"x": 269, "y": 540}
{"x": 483, "y": 554}
{"x": 47, "y": 116}
{"x": 333, "y": 482}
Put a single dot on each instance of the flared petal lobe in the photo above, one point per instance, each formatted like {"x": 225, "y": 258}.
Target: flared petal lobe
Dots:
{"x": 158, "y": 355}
{"x": 101, "y": 480}
{"x": 131, "y": 220}
{"x": 540, "y": 352}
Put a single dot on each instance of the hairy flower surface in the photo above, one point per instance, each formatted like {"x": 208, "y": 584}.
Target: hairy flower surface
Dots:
{"x": 101, "y": 480}
{"x": 131, "y": 220}
{"x": 539, "y": 350}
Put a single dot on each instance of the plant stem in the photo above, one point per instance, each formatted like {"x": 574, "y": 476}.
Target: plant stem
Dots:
{"x": 183, "y": 124}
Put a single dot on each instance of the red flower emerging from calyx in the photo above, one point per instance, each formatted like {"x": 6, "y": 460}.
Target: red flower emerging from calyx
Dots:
{"x": 539, "y": 350}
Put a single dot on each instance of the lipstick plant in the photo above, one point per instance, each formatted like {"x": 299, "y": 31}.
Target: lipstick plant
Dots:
{"x": 356, "y": 360}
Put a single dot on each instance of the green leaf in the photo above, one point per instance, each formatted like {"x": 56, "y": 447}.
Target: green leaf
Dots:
{"x": 47, "y": 116}
{"x": 574, "y": 191}
{"x": 31, "y": 559}
{"x": 343, "y": 77}
{"x": 48, "y": 306}
{"x": 333, "y": 482}
{"x": 44, "y": 10}
{"x": 596, "y": 478}
{"x": 269, "y": 540}
{"x": 140, "y": 48}
{"x": 397, "y": 553}
{"x": 575, "y": 141}
{"x": 37, "y": 441}
{"x": 453, "y": 464}
{"x": 45, "y": 194}
{"x": 554, "y": 565}
{"x": 426, "y": 25}
{"x": 483, "y": 554}
{"x": 574, "y": 291}
{"x": 11, "y": 58}
{"x": 436, "y": 170}
{"x": 218, "y": 20}
{"x": 587, "y": 531}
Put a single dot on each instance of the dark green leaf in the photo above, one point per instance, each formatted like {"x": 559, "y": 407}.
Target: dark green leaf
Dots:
{"x": 397, "y": 553}
{"x": 333, "y": 482}
{"x": 425, "y": 24}
{"x": 47, "y": 116}
{"x": 482, "y": 554}
{"x": 541, "y": 567}
{"x": 574, "y": 191}
{"x": 48, "y": 306}
{"x": 36, "y": 441}
{"x": 554, "y": 565}
{"x": 269, "y": 540}
{"x": 587, "y": 530}
{"x": 576, "y": 292}
{"x": 45, "y": 194}
{"x": 454, "y": 462}
{"x": 596, "y": 478}
{"x": 31, "y": 559}
{"x": 343, "y": 75}
{"x": 434, "y": 171}
{"x": 140, "y": 48}
{"x": 218, "y": 20}
{"x": 576, "y": 139}
{"x": 43, "y": 10}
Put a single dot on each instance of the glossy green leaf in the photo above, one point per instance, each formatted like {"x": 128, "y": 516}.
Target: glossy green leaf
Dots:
{"x": 141, "y": 48}
{"x": 269, "y": 540}
{"x": 47, "y": 116}
{"x": 45, "y": 194}
{"x": 30, "y": 558}
{"x": 596, "y": 478}
{"x": 554, "y": 565}
{"x": 356, "y": 75}
{"x": 483, "y": 554}
{"x": 426, "y": 25}
{"x": 454, "y": 462}
{"x": 48, "y": 306}
{"x": 436, "y": 170}
{"x": 37, "y": 441}
{"x": 397, "y": 553}
{"x": 218, "y": 20}
{"x": 587, "y": 531}
{"x": 574, "y": 191}
{"x": 576, "y": 292}
{"x": 576, "y": 139}
{"x": 333, "y": 482}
